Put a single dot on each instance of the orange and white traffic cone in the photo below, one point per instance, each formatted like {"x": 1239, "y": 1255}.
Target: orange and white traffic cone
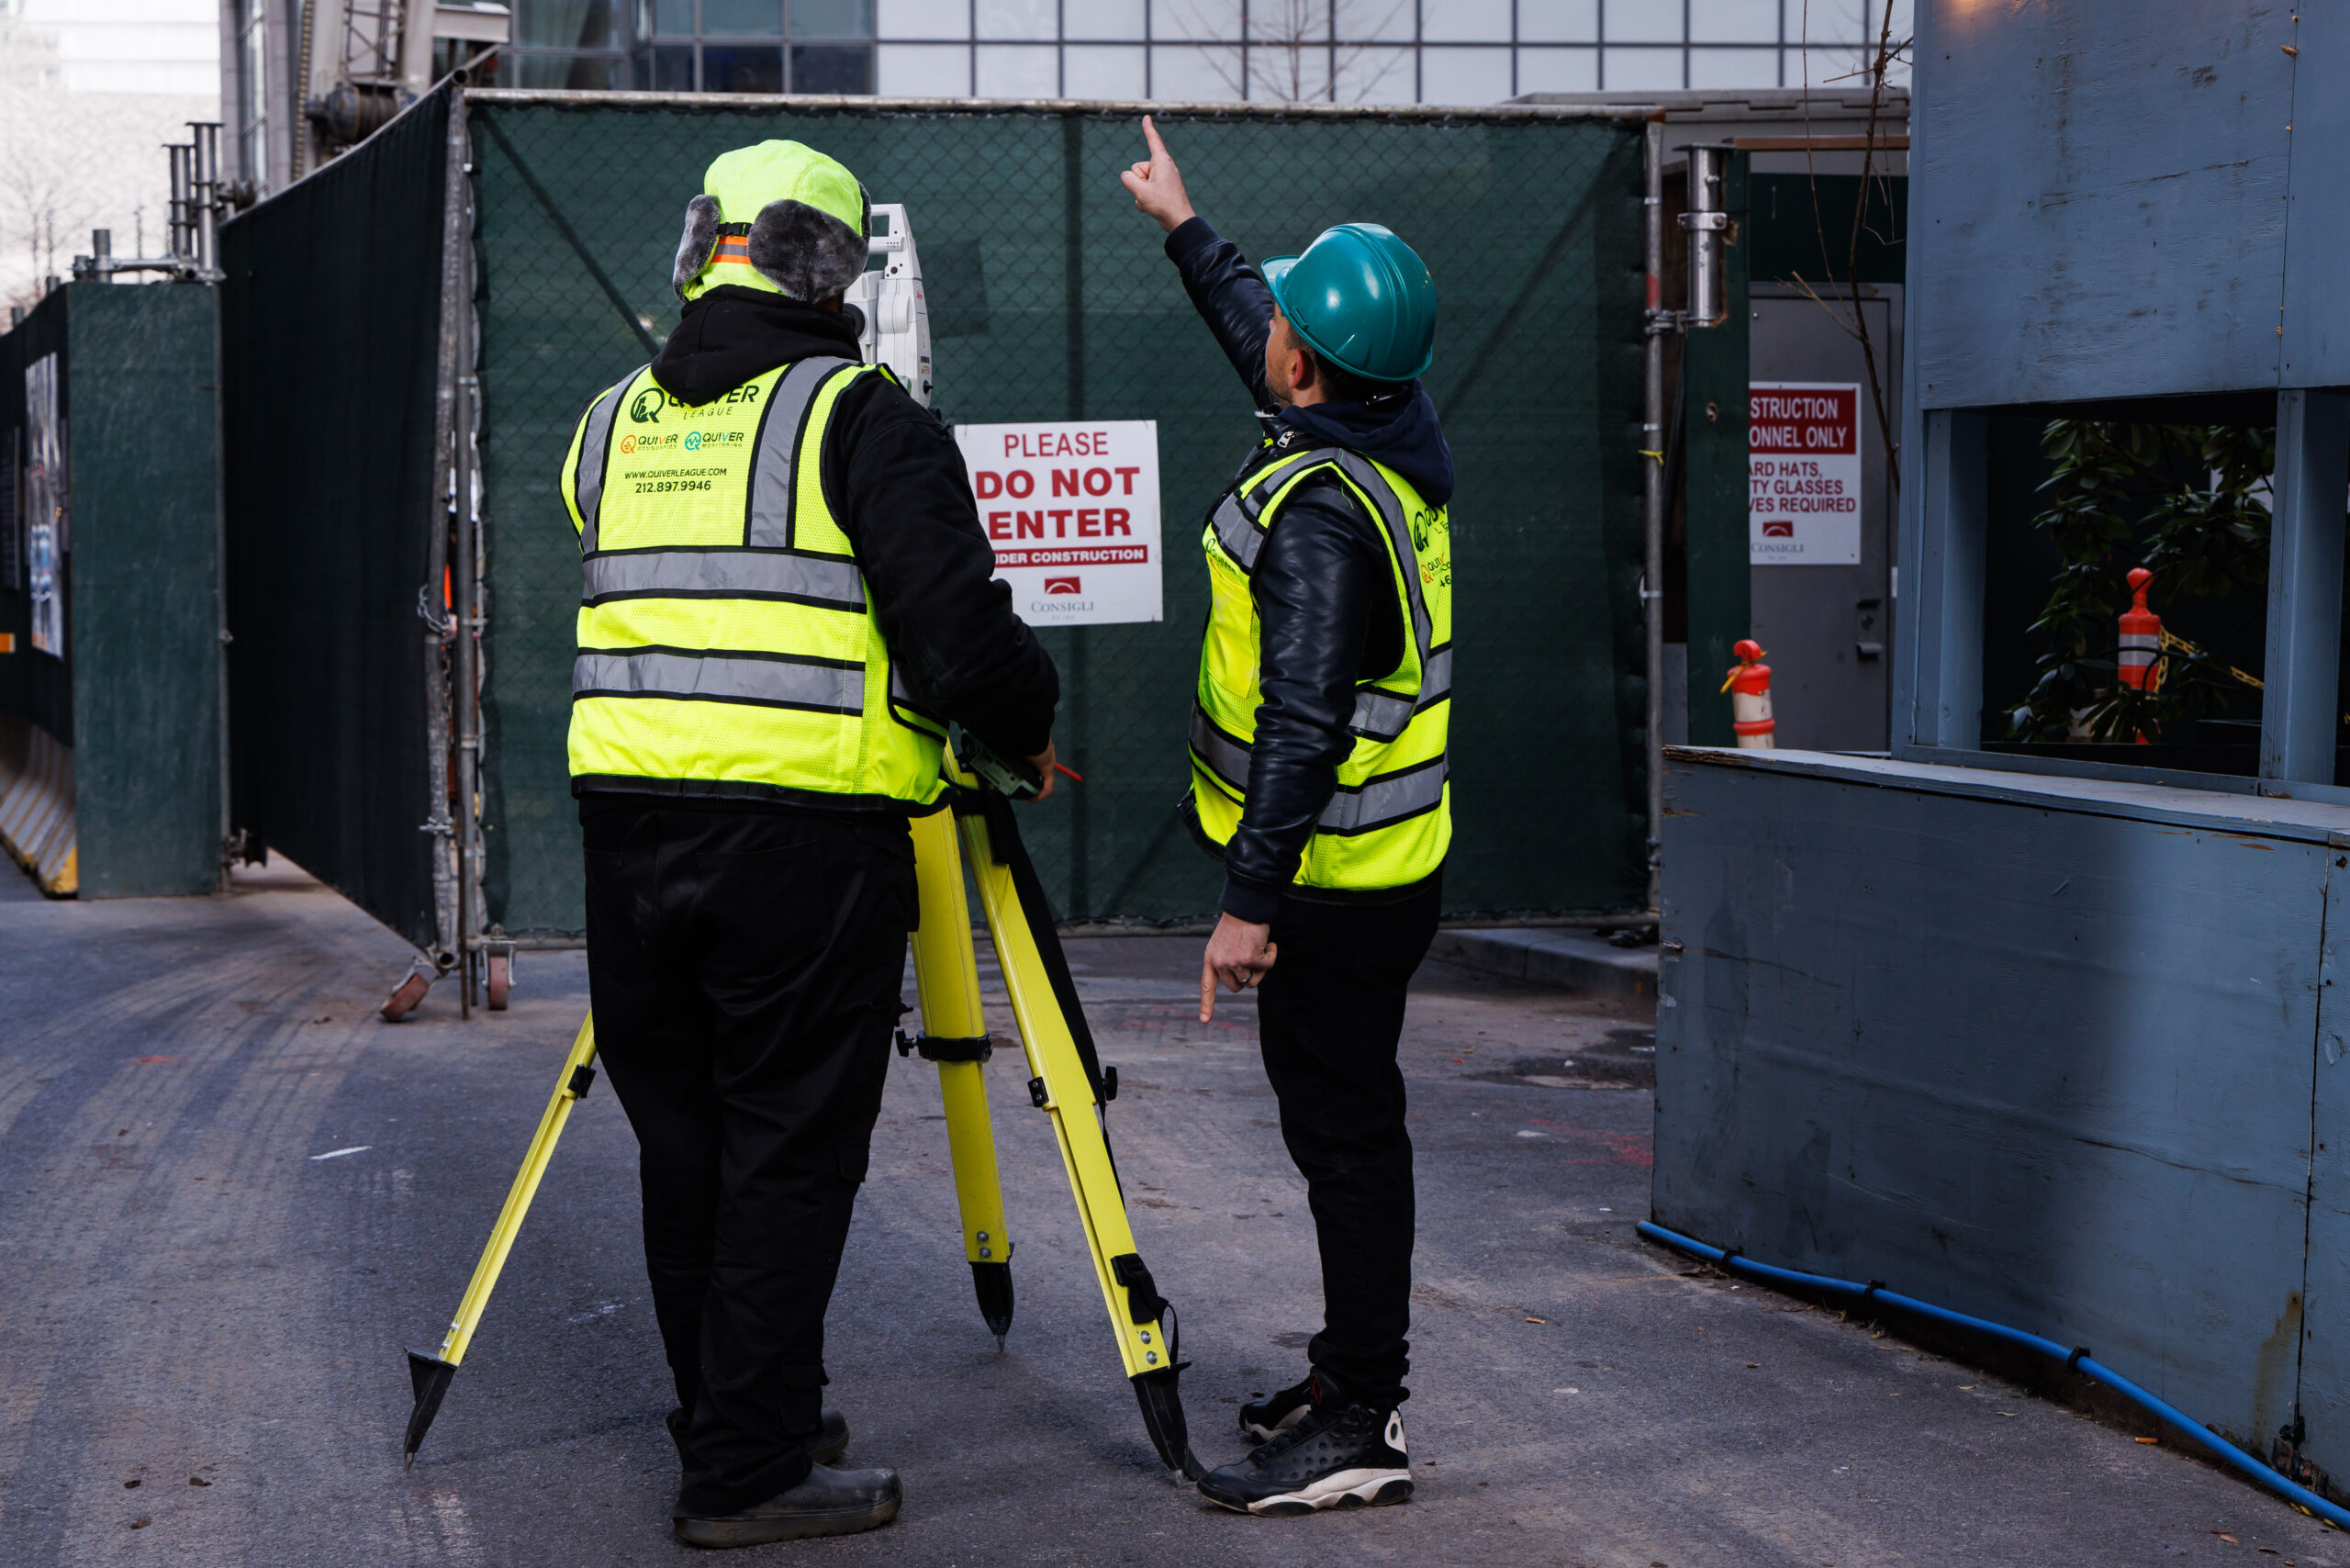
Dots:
{"x": 2141, "y": 636}
{"x": 2141, "y": 639}
{"x": 1749, "y": 700}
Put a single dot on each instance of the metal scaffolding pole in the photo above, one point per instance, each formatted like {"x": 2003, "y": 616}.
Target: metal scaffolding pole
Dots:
{"x": 1654, "y": 499}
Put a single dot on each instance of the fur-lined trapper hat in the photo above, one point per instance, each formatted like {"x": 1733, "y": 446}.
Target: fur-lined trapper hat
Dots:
{"x": 780, "y": 216}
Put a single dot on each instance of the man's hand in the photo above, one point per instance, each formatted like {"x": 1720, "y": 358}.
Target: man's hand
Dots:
{"x": 1238, "y": 954}
{"x": 1158, "y": 185}
{"x": 1047, "y": 766}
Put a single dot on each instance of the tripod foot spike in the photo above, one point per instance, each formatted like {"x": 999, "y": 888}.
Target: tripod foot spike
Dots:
{"x": 1162, "y": 1416}
{"x": 992, "y": 1282}
{"x": 429, "y": 1375}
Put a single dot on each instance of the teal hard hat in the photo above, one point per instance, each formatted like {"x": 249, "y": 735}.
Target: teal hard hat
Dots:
{"x": 1362, "y": 299}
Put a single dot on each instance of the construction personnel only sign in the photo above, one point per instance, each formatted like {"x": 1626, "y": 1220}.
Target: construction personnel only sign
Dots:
{"x": 1803, "y": 474}
{"x": 1072, "y": 511}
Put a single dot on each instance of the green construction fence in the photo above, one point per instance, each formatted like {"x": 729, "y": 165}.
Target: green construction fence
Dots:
{"x": 110, "y": 763}
{"x": 1050, "y": 297}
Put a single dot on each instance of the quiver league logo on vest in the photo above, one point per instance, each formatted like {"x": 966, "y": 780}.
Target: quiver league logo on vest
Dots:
{"x": 1389, "y": 821}
{"x": 727, "y": 642}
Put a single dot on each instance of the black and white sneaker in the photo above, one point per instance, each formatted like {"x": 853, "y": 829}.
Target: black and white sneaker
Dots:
{"x": 1336, "y": 1455}
{"x": 1266, "y": 1419}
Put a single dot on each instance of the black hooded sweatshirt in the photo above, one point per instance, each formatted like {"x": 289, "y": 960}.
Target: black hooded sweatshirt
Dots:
{"x": 1326, "y": 612}
{"x": 896, "y": 483}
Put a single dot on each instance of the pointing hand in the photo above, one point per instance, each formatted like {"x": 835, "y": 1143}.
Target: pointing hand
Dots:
{"x": 1158, "y": 185}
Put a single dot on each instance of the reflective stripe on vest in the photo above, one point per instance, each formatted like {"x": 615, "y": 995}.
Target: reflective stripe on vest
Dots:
{"x": 1387, "y": 821}
{"x": 1225, "y": 756}
{"x": 595, "y": 453}
{"x": 724, "y": 574}
{"x": 1354, "y": 808}
{"x": 727, "y": 643}
{"x": 819, "y": 686}
{"x": 1381, "y": 714}
{"x": 1388, "y": 798}
{"x": 1236, "y": 516}
{"x": 771, "y": 480}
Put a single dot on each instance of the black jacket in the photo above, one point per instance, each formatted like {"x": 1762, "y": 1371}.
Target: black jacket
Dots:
{"x": 1327, "y": 610}
{"x": 896, "y": 482}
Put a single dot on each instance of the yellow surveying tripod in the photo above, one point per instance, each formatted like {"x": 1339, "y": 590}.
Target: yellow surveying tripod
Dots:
{"x": 1066, "y": 1081}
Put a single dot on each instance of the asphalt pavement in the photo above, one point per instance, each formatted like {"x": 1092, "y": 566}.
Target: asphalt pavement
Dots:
{"x": 233, "y": 1195}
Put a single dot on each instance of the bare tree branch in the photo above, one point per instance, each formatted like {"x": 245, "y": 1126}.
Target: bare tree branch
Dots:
{"x": 1297, "y": 51}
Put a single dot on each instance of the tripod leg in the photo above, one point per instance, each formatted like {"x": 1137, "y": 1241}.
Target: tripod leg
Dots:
{"x": 430, "y": 1374}
{"x": 1066, "y": 1085}
{"x": 947, "y": 977}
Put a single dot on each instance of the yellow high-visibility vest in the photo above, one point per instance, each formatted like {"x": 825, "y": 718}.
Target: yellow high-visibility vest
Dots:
{"x": 727, "y": 641}
{"x": 1389, "y": 821}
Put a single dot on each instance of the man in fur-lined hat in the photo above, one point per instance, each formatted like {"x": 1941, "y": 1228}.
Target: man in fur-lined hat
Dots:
{"x": 787, "y": 598}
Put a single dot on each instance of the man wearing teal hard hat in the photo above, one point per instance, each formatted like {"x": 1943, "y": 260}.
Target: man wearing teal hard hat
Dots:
{"x": 786, "y": 597}
{"x": 1319, "y": 777}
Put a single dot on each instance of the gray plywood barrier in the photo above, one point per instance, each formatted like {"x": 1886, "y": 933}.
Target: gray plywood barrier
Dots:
{"x": 2050, "y": 1052}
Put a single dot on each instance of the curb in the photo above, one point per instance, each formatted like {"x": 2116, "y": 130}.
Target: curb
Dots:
{"x": 1559, "y": 959}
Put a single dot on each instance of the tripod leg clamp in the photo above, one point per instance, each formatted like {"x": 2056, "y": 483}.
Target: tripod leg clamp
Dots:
{"x": 946, "y": 1048}
{"x": 1144, "y": 1304}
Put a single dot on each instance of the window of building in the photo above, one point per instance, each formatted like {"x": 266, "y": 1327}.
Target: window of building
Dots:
{"x": 693, "y": 46}
{"x": 574, "y": 44}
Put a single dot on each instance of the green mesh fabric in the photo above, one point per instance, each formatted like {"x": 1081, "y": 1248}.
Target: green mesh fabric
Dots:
{"x": 330, "y": 338}
{"x": 1050, "y": 297}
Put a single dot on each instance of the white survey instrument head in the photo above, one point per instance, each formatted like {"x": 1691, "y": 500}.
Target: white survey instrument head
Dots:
{"x": 897, "y": 319}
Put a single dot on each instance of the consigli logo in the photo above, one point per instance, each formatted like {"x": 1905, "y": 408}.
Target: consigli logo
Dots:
{"x": 1062, "y": 584}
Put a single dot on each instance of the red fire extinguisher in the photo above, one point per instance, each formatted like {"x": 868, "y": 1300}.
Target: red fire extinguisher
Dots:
{"x": 1750, "y": 689}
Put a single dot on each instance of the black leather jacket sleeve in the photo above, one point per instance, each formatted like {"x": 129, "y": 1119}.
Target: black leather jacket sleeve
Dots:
{"x": 1230, "y": 297}
{"x": 1318, "y": 584}
{"x": 896, "y": 481}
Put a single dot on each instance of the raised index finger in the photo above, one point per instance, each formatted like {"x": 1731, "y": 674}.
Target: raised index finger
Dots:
{"x": 1151, "y": 134}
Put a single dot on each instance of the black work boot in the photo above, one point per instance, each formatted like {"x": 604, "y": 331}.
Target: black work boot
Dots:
{"x": 1266, "y": 1419}
{"x": 1338, "y": 1454}
{"x": 830, "y": 1502}
{"x": 831, "y": 1443}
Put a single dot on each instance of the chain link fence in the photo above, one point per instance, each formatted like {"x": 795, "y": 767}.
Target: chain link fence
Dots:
{"x": 1050, "y": 297}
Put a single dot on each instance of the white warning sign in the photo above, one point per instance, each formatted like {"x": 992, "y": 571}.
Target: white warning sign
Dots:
{"x": 1072, "y": 511}
{"x": 1803, "y": 474}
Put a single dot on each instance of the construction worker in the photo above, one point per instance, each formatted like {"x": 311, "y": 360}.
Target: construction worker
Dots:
{"x": 1319, "y": 776}
{"x": 787, "y": 598}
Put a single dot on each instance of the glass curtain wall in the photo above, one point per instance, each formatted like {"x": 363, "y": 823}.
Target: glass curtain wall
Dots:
{"x": 1348, "y": 51}
{"x": 1374, "y": 52}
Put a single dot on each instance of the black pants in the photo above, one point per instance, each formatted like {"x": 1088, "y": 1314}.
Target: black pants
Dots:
{"x": 745, "y": 970}
{"x": 1329, "y": 1014}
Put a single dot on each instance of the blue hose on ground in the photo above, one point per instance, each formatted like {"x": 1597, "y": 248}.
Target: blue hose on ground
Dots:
{"x": 2219, "y": 1448}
